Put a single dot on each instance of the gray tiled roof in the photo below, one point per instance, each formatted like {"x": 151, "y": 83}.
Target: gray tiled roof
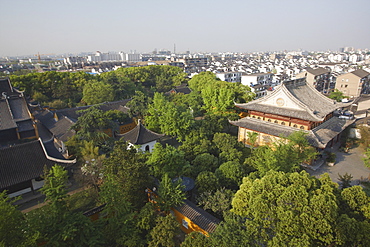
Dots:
{"x": 199, "y": 216}
{"x": 314, "y": 105}
{"x": 5, "y": 86}
{"x": 360, "y": 73}
{"x": 14, "y": 113}
{"x": 140, "y": 135}
{"x": 318, "y": 71}
{"x": 326, "y": 131}
{"x": 22, "y": 163}
{"x": 6, "y": 118}
{"x": 19, "y": 109}
{"x": 318, "y": 137}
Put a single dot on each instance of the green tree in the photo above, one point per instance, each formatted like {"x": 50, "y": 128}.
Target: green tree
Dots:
{"x": 205, "y": 162}
{"x": 195, "y": 144}
{"x": 92, "y": 169}
{"x": 163, "y": 234}
{"x": 230, "y": 174}
{"x": 232, "y": 232}
{"x": 138, "y": 105}
{"x": 336, "y": 95}
{"x": 345, "y": 179}
{"x": 97, "y": 92}
{"x": 55, "y": 223}
{"x": 207, "y": 181}
{"x": 166, "y": 117}
{"x": 119, "y": 228}
{"x": 218, "y": 201}
{"x": 285, "y": 155}
{"x": 170, "y": 193}
{"x": 13, "y": 227}
{"x": 288, "y": 209}
{"x": 196, "y": 239}
{"x": 128, "y": 168}
{"x": 167, "y": 160}
{"x": 229, "y": 148}
{"x": 366, "y": 159}
{"x": 91, "y": 124}
{"x": 198, "y": 82}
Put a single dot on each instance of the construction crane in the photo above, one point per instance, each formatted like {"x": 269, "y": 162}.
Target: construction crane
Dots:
{"x": 38, "y": 55}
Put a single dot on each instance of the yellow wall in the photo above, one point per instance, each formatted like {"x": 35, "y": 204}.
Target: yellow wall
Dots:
{"x": 191, "y": 225}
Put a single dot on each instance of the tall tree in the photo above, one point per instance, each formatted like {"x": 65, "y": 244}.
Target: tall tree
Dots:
{"x": 170, "y": 193}
{"x": 285, "y": 155}
{"x": 128, "y": 168}
{"x": 119, "y": 228}
{"x": 167, "y": 160}
{"x": 13, "y": 227}
{"x": 138, "y": 105}
{"x": 166, "y": 117}
{"x": 163, "y": 234}
{"x": 56, "y": 224}
{"x": 288, "y": 209}
{"x": 97, "y": 92}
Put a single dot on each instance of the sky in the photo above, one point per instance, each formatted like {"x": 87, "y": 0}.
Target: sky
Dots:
{"x": 73, "y": 26}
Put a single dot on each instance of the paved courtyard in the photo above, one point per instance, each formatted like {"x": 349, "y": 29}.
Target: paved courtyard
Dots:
{"x": 350, "y": 163}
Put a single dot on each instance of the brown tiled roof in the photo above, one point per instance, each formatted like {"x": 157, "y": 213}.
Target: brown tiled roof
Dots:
{"x": 140, "y": 135}
{"x": 199, "y": 216}
{"x": 23, "y": 162}
{"x": 314, "y": 106}
{"x": 360, "y": 73}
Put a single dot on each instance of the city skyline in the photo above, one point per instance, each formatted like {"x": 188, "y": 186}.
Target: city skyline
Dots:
{"x": 56, "y": 27}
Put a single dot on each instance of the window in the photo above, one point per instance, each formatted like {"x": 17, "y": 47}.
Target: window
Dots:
{"x": 302, "y": 127}
{"x": 185, "y": 224}
{"x": 295, "y": 126}
{"x": 345, "y": 85}
{"x": 282, "y": 123}
{"x": 147, "y": 148}
{"x": 269, "y": 120}
{"x": 276, "y": 121}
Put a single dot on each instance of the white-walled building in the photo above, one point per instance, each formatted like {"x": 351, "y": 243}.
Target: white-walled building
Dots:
{"x": 230, "y": 76}
{"x": 130, "y": 57}
{"x": 104, "y": 57}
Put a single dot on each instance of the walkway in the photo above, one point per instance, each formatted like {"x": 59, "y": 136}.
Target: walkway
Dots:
{"x": 350, "y": 163}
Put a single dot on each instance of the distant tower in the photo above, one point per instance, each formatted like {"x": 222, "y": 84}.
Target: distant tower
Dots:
{"x": 174, "y": 48}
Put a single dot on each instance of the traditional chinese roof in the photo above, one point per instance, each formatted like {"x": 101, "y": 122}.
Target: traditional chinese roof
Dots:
{"x": 317, "y": 137}
{"x": 295, "y": 99}
{"x": 13, "y": 111}
{"x": 23, "y": 162}
{"x": 5, "y": 86}
{"x": 183, "y": 88}
{"x": 140, "y": 135}
{"x": 199, "y": 216}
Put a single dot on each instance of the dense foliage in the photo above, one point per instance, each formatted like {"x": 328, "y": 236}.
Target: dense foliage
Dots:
{"x": 258, "y": 193}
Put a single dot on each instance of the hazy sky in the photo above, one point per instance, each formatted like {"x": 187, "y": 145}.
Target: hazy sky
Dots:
{"x": 71, "y": 26}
